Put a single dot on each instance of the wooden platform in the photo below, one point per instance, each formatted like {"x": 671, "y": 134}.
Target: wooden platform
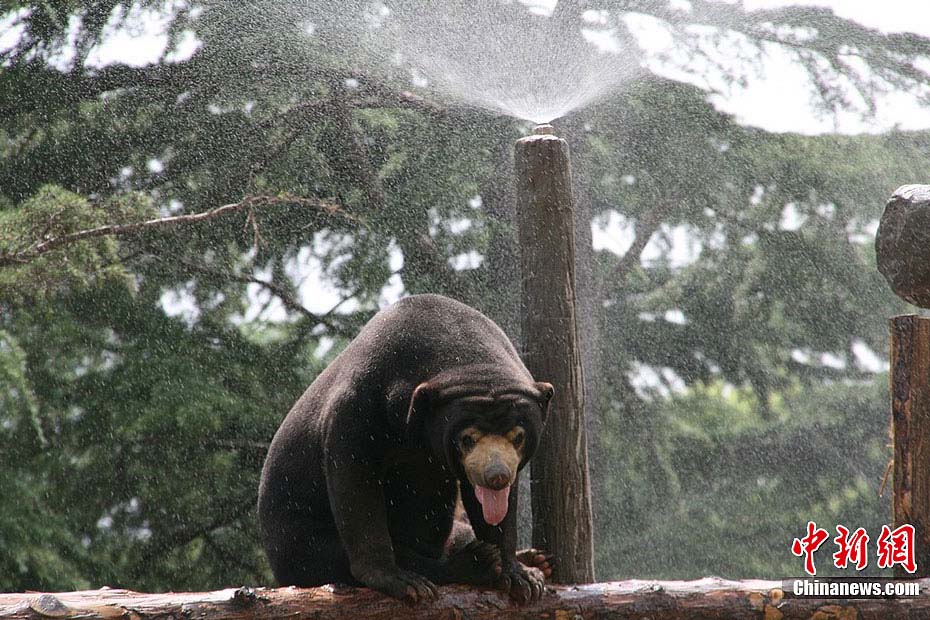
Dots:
{"x": 704, "y": 598}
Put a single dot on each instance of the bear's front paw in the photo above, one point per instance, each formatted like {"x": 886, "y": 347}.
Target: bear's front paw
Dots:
{"x": 399, "y": 583}
{"x": 524, "y": 584}
{"x": 477, "y": 564}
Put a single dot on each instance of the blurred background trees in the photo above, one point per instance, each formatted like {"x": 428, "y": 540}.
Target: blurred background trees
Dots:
{"x": 735, "y": 323}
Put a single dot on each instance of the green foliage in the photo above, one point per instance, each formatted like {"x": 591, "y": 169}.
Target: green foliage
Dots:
{"x": 38, "y": 545}
{"x": 18, "y": 399}
{"x": 727, "y": 489}
{"x": 53, "y": 213}
{"x": 139, "y": 385}
{"x": 127, "y": 395}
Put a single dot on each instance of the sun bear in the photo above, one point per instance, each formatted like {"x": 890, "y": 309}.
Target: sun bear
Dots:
{"x": 428, "y": 404}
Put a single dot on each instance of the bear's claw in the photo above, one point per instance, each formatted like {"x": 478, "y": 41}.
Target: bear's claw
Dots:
{"x": 524, "y": 584}
{"x": 399, "y": 583}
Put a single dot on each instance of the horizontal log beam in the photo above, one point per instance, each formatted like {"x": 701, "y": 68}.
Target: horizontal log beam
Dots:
{"x": 661, "y": 600}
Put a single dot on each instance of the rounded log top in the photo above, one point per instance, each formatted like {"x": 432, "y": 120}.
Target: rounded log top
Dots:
{"x": 542, "y": 137}
{"x": 902, "y": 244}
{"x": 915, "y": 192}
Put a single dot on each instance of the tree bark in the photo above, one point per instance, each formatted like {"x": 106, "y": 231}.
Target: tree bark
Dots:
{"x": 562, "y": 521}
{"x": 707, "y": 598}
{"x": 910, "y": 430}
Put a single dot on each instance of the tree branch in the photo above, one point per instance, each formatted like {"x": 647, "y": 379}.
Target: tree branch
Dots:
{"x": 372, "y": 95}
{"x": 404, "y": 99}
{"x": 232, "y": 559}
{"x": 247, "y": 445}
{"x": 183, "y": 536}
{"x": 645, "y": 227}
{"x": 36, "y": 250}
{"x": 275, "y": 289}
{"x": 420, "y": 252}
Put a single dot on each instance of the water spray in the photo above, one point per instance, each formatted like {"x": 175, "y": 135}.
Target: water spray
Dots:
{"x": 546, "y": 233}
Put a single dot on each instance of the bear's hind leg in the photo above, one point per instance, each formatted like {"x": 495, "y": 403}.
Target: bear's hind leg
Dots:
{"x": 310, "y": 558}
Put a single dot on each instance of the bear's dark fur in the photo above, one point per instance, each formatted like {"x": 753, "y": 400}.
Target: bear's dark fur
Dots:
{"x": 361, "y": 479}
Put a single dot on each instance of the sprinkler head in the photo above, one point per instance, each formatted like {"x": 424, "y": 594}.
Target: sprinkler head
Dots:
{"x": 544, "y": 129}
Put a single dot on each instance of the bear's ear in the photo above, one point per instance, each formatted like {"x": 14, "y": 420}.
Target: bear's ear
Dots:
{"x": 545, "y": 395}
{"x": 419, "y": 406}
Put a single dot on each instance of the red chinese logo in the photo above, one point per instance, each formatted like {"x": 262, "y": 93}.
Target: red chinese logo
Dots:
{"x": 808, "y": 545}
{"x": 896, "y": 546}
{"x": 853, "y": 549}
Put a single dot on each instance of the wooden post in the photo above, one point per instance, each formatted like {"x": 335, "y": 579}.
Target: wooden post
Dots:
{"x": 562, "y": 522}
{"x": 910, "y": 428}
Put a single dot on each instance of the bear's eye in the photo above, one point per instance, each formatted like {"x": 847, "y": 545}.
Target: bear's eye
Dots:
{"x": 518, "y": 438}
{"x": 467, "y": 442}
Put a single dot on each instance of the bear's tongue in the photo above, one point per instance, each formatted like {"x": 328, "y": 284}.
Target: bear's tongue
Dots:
{"x": 493, "y": 503}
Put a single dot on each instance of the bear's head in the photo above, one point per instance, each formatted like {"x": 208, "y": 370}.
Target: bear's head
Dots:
{"x": 483, "y": 436}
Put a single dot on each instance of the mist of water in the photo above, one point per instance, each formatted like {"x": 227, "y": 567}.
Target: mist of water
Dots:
{"x": 531, "y": 60}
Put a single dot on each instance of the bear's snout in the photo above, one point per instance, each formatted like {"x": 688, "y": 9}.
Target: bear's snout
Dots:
{"x": 496, "y": 475}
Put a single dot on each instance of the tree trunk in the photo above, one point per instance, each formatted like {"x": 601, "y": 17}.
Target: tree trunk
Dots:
{"x": 562, "y": 522}
{"x": 910, "y": 429}
{"x": 660, "y": 600}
